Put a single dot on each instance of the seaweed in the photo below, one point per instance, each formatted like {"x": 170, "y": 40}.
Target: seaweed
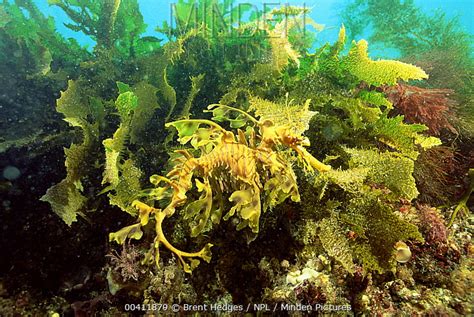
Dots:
{"x": 36, "y": 61}
{"x": 393, "y": 171}
{"x": 303, "y": 170}
{"x": 432, "y": 40}
{"x": 37, "y": 39}
{"x": 123, "y": 175}
{"x": 461, "y": 206}
{"x": 378, "y": 72}
{"x": 431, "y": 107}
{"x": 66, "y": 198}
{"x": 406, "y": 27}
{"x": 376, "y": 219}
{"x": 110, "y": 24}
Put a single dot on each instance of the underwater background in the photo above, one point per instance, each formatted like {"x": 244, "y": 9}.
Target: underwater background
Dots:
{"x": 231, "y": 157}
{"x": 325, "y": 12}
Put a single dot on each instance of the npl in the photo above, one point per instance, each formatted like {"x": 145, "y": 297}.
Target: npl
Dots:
{"x": 261, "y": 307}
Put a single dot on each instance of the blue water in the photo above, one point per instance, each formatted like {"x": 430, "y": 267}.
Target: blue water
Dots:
{"x": 324, "y": 12}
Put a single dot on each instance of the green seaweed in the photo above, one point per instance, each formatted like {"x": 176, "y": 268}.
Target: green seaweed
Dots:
{"x": 315, "y": 129}
{"x": 124, "y": 176}
{"x": 379, "y": 72}
{"x": 147, "y": 105}
{"x": 111, "y": 24}
{"x": 377, "y": 219}
{"x": 291, "y": 156}
{"x": 66, "y": 197}
{"x": 424, "y": 32}
{"x": 36, "y": 38}
{"x": 335, "y": 242}
{"x": 406, "y": 138}
{"x": 387, "y": 168}
{"x": 433, "y": 40}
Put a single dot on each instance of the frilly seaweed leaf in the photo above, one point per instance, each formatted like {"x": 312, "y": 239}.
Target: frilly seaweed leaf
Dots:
{"x": 124, "y": 178}
{"x": 375, "y": 98}
{"x": 66, "y": 198}
{"x": 294, "y": 116}
{"x": 390, "y": 169}
{"x": 377, "y": 219}
{"x": 350, "y": 180}
{"x": 128, "y": 187}
{"x": 113, "y": 147}
{"x": 381, "y": 72}
{"x": 196, "y": 85}
{"x": 406, "y": 138}
{"x": 147, "y": 104}
{"x": 335, "y": 242}
{"x": 126, "y": 102}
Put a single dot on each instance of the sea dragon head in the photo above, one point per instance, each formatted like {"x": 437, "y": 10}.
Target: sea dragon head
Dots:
{"x": 283, "y": 135}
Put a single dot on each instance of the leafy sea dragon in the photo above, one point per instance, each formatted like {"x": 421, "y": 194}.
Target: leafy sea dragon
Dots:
{"x": 245, "y": 165}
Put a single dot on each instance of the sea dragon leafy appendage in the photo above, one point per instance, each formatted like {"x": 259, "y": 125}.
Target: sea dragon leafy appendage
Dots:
{"x": 248, "y": 167}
